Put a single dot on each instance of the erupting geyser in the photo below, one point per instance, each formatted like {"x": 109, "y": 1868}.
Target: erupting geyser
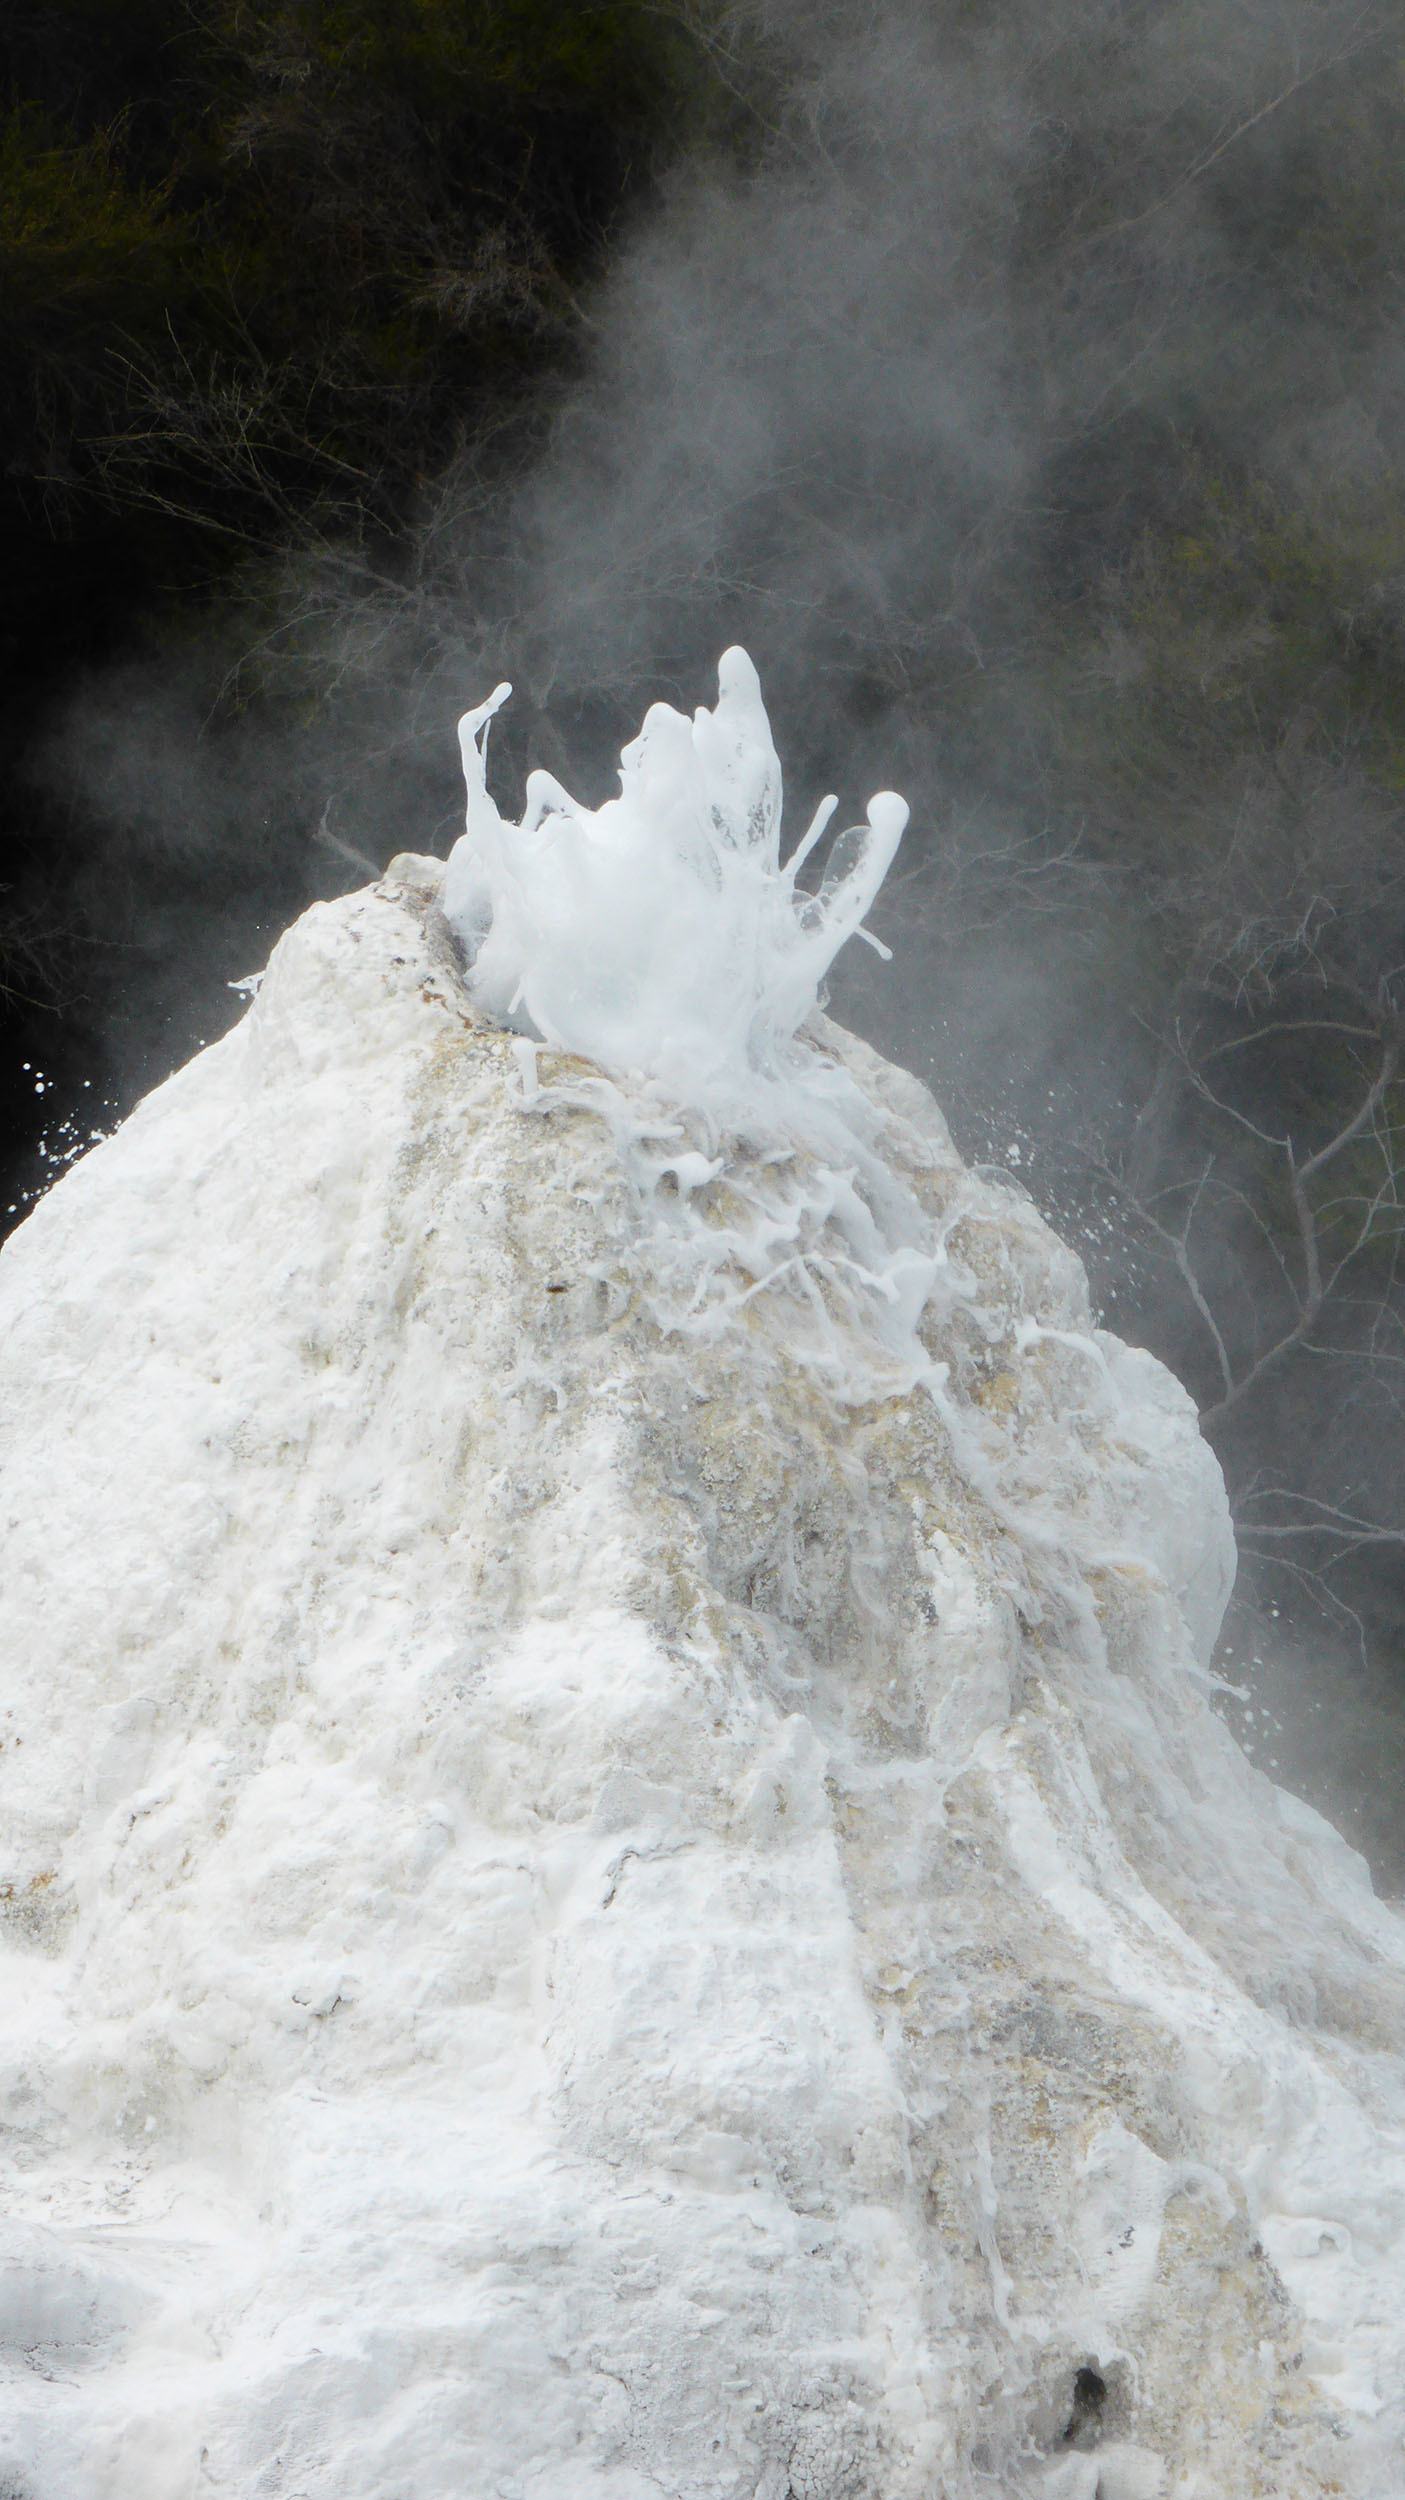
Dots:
{"x": 660, "y": 935}
{"x": 619, "y": 1878}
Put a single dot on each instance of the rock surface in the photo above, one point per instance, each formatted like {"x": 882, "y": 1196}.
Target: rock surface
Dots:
{"x": 587, "y": 1916}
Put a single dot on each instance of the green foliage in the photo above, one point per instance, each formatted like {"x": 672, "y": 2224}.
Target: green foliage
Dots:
{"x": 1257, "y": 621}
{"x": 371, "y": 215}
{"x": 85, "y": 257}
{"x": 75, "y": 238}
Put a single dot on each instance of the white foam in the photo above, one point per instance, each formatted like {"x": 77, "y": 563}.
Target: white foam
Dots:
{"x": 660, "y": 935}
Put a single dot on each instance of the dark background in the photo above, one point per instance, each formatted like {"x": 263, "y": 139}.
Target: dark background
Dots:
{"x": 1024, "y": 388}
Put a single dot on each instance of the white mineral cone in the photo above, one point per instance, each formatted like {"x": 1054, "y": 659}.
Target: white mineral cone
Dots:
{"x": 588, "y": 1913}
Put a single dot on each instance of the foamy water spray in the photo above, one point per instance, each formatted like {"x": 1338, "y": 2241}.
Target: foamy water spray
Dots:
{"x": 660, "y": 934}
{"x": 662, "y": 938}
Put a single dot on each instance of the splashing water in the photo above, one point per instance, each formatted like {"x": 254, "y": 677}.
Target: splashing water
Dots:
{"x": 662, "y": 938}
{"x": 660, "y": 935}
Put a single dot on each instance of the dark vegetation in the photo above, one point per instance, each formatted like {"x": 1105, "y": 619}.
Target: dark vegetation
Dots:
{"x": 1025, "y": 387}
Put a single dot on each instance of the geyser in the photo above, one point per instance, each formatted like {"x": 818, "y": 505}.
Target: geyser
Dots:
{"x": 619, "y": 1877}
{"x": 660, "y": 934}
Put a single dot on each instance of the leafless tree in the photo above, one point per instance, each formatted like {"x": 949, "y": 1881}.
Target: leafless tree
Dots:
{"x": 1266, "y": 1171}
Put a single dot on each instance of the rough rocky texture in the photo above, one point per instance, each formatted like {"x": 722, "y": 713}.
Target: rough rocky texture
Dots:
{"x": 586, "y": 1917}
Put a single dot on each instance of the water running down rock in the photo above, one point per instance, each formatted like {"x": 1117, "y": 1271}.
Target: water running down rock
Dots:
{"x": 619, "y": 1878}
